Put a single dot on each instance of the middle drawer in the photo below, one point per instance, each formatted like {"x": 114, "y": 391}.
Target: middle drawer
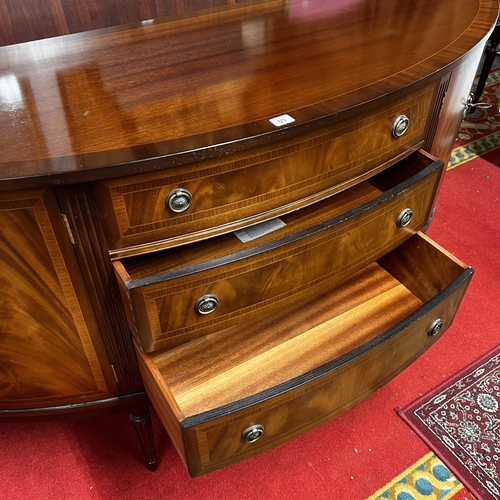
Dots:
{"x": 182, "y": 293}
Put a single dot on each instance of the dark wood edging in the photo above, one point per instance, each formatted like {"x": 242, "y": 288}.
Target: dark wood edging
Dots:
{"x": 114, "y": 404}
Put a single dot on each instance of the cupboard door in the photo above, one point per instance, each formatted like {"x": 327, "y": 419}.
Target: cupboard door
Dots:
{"x": 50, "y": 350}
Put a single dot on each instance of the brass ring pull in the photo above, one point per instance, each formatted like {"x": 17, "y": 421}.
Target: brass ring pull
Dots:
{"x": 253, "y": 433}
{"x": 179, "y": 200}
{"x": 207, "y": 304}
{"x": 400, "y": 126}
{"x": 435, "y": 327}
{"x": 404, "y": 217}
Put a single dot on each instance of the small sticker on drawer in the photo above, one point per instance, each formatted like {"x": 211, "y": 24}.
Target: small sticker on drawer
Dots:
{"x": 254, "y": 232}
{"x": 279, "y": 121}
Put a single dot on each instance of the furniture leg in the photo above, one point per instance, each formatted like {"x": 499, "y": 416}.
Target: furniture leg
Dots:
{"x": 490, "y": 53}
{"x": 144, "y": 431}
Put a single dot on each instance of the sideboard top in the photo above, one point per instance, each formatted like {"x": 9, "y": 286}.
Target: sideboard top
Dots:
{"x": 81, "y": 107}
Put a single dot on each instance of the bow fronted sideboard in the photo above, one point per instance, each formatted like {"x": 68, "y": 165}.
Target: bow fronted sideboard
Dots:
{"x": 222, "y": 213}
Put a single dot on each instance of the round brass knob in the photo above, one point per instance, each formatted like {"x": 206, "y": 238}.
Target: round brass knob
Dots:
{"x": 400, "y": 125}
{"x": 435, "y": 327}
{"x": 207, "y": 304}
{"x": 179, "y": 200}
{"x": 253, "y": 433}
{"x": 404, "y": 217}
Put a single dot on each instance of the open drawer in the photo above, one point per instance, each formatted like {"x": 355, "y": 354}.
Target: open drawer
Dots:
{"x": 236, "y": 392}
{"x": 183, "y": 293}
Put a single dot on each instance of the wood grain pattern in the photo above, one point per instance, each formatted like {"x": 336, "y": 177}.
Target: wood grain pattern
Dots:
{"x": 435, "y": 112}
{"x": 293, "y": 370}
{"x": 345, "y": 320}
{"x": 276, "y": 181}
{"x": 27, "y": 20}
{"x": 219, "y": 443}
{"x": 162, "y": 400}
{"x": 424, "y": 268}
{"x": 50, "y": 351}
{"x": 306, "y": 263}
{"x": 78, "y": 204}
{"x": 408, "y": 172}
{"x": 454, "y": 105}
{"x": 176, "y": 92}
{"x": 308, "y": 324}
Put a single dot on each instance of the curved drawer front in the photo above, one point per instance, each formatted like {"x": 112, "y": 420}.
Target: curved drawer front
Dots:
{"x": 176, "y": 305}
{"x": 277, "y": 386}
{"x": 181, "y": 205}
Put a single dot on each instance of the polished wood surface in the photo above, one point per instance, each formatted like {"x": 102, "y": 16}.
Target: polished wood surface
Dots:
{"x": 202, "y": 255}
{"x": 163, "y": 402}
{"x": 144, "y": 432}
{"x": 277, "y": 180}
{"x": 50, "y": 350}
{"x": 294, "y": 369}
{"x": 304, "y": 260}
{"x": 98, "y": 126}
{"x": 73, "y": 107}
{"x": 218, "y": 443}
{"x": 78, "y": 206}
{"x": 27, "y": 20}
{"x": 452, "y": 113}
{"x": 278, "y": 348}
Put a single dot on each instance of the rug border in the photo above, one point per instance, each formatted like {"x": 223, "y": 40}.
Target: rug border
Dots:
{"x": 411, "y": 469}
{"x": 419, "y": 429}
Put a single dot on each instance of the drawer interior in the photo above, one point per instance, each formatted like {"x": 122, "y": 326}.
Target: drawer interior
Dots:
{"x": 234, "y": 365}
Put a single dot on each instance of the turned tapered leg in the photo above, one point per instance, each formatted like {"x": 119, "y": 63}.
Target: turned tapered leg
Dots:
{"x": 490, "y": 54}
{"x": 144, "y": 431}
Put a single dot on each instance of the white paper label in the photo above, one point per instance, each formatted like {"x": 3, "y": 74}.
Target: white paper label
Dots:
{"x": 254, "y": 232}
{"x": 279, "y": 121}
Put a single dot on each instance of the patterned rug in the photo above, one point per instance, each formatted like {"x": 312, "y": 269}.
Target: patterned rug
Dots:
{"x": 460, "y": 421}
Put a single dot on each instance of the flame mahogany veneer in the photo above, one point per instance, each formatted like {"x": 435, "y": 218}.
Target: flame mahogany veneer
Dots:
{"x": 104, "y": 286}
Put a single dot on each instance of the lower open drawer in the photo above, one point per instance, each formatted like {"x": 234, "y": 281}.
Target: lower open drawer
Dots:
{"x": 234, "y": 393}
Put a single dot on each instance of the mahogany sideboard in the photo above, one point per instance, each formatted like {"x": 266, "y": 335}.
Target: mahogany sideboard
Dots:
{"x": 222, "y": 213}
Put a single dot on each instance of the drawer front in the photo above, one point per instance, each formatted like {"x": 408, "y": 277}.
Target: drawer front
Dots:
{"x": 223, "y": 196}
{"x": 214, "y": 439}
{"x": 308, "y": 263}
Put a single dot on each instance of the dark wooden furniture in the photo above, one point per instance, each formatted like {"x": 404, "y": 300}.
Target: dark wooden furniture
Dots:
{"x": 138, "y": 165}
{"x": 28, "y": 20}
{"x": 489, "y": 57}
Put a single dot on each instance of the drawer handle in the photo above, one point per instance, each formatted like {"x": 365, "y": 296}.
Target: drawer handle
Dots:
{"x": 179, "y": 200}
{"x": 435, "y": 327}
{"x": 400, "y": 125}
{"x": 207, "y": 304}
{"x": 404, "y": 217}
{"x": 253, "y": 433}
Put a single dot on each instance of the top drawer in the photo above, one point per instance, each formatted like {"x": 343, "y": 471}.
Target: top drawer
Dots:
{"x": 217, "y": 196}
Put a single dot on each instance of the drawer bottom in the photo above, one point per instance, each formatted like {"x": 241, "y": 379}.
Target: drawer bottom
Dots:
{"x": 234, "y": 393}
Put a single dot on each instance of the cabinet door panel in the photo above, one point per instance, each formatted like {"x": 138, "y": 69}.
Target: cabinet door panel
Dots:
{"x": 50, "y": 351}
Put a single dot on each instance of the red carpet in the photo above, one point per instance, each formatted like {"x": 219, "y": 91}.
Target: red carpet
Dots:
{"x": 348, "y": 458}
